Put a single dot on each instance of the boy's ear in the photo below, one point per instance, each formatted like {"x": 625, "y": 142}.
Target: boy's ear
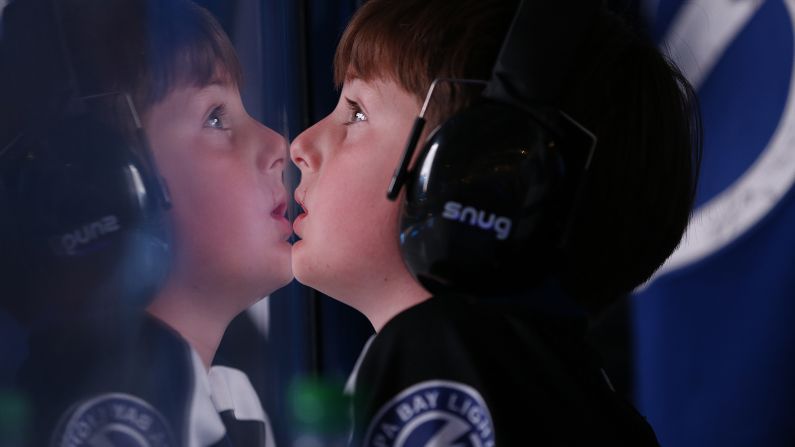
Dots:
{"x": 494, "y": 188}
{"x": 88, "y": 218}
{"x": 486, "y": 208}
{"x": 87, "y": 204}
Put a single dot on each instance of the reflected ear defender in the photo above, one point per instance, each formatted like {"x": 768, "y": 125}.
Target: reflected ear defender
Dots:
{"x": 494, "y": 190}
{"x": 83, "y": 211}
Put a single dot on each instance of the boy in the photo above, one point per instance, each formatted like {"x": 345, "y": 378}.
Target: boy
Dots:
{"x": 151, "y": 377}
{"x": 468, "y": 370}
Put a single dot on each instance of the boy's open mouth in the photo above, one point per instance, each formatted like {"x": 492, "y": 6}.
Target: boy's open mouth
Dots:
{"x": 301, "y": 215}
{"x": 300, "y": 202}
{"x": 280, "y": 210}
{"x": 279, "y": 214}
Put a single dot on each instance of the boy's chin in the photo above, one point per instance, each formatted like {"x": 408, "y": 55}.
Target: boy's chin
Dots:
{"x": 306, "y": 274}
{"x": 301, "y": 275}
{"x": 280, "y": 280}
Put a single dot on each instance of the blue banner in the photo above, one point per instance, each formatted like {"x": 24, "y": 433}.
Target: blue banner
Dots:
{"x": 714, "y": 330}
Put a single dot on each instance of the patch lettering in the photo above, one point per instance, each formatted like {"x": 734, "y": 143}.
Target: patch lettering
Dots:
{"x": 435, "y": 413}
{"x": 114, "y": 419}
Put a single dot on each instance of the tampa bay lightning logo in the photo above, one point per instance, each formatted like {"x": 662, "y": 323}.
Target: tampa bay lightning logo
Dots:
{"x": 113, "y": 420}
{"x": 746, "y": 173}
{"x": 435, "y": 413}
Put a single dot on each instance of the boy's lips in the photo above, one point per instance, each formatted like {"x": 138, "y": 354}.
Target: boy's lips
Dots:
{"x": 278, "y": 213}
{"x": 302, "y": 215}
{"x": 279, "y": 210}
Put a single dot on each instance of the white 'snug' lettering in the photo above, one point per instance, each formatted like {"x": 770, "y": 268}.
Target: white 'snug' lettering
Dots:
{"x": 88, "y": 233}
{"x": 477, "y": 218}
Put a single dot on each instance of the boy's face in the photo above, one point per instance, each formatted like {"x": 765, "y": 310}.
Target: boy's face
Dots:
{"x": 224, "y": 173}
{"x": 349, "y": 229}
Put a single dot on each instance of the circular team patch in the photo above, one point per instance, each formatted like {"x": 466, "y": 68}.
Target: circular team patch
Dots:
{"x": 435, "y": 413}
{"x": 113, "y": 420}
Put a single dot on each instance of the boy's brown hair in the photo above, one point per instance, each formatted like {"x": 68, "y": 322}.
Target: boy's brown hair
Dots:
{"x": 643, "y": 177}
{"x": 414, "y": 42}
{"x": 146, "y": 48}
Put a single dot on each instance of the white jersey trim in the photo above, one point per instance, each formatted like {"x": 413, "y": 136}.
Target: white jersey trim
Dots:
{"x": 205, "y": 427}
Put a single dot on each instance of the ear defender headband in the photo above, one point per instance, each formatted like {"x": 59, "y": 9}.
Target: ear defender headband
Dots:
{"x": 83, "y": 209}
{"x": 494, "y": 191}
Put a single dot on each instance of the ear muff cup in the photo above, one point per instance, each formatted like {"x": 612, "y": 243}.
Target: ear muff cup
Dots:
{"x": 92, "y": 232}
{"x": 480, "y": 213}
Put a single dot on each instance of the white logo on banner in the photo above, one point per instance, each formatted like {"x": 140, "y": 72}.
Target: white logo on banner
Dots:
{"x": 698, "y": 37}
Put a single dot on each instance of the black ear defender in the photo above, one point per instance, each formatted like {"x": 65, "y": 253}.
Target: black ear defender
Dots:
{"x": 494, "y": 190}
{"x": 83, "y": 211}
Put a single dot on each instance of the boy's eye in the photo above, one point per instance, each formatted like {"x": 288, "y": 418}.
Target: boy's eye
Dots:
{"x": 355, "y": 113}
{"x": 358, "y": 116}
{"x": 216, "y": 118}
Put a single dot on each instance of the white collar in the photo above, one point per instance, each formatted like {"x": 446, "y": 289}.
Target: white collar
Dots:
{"x": 221, "y": 389}
{"x": 204, "y": 424}
{"x": 231, "y": 390}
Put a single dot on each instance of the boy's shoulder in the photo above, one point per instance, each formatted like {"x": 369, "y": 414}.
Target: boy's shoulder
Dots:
{"x": 536, "y": 323}
{"x": 489, "y": 369}
{"x": 95, "y": 380}
{"x": 464, "y": 337}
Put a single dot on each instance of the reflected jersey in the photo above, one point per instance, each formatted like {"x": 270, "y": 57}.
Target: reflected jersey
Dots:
{"x": 135, "y": 383}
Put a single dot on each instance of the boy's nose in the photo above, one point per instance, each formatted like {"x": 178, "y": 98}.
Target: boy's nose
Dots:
{"x": 273, "y": 148}
{"x": 303, "y": 151}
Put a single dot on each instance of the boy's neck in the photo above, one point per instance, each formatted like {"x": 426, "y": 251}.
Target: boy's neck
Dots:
{"x": 393, "y": 297}
{"x": 200, "y": 325}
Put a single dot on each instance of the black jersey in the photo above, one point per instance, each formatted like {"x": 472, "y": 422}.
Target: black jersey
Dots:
{"x": 83, "y": 375}
{"x": 465, "y": 372}
{"x": 137, "y": 383}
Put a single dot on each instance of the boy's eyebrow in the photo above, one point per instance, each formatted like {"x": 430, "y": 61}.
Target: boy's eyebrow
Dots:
{"x": 354, "y": 104}
{"x": 351, "y": 74}
{"x": 215, "y": 84}
{"x": 221, "y": 82}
